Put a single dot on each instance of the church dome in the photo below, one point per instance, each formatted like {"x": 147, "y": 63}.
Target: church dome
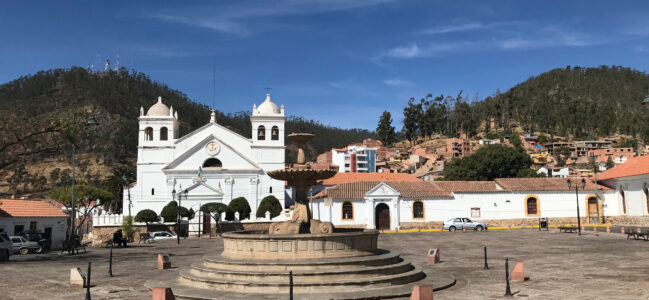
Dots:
{"x": 158, "y": 109}
{"x": 268, "y": 107}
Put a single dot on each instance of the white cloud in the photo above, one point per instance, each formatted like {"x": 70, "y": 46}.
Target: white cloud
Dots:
{"x": 409, "y": 51}
{"x": 396, "y": 82}
{"x": 453, "y": 28}
{"x": 414, "y": 51}
{"x": 229, "y": 18}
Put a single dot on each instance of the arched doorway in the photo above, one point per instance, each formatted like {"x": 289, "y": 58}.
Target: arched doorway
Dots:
{"x": 382, "y": 216}
{"x": 593, "y": 210}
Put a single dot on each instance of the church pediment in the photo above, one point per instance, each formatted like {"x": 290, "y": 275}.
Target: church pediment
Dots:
{"x": 218, "y": 154}
{"x": 382, "y": 190}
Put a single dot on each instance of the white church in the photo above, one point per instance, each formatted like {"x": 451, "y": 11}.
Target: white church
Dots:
{"x": 232, "y": 165}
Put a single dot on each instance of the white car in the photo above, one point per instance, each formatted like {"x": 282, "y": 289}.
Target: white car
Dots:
{"x": 162, "y": 235}
{"x": 6, "y": 247}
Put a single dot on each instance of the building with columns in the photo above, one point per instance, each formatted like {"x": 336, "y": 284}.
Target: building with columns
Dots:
{"x": 212, "y": 163}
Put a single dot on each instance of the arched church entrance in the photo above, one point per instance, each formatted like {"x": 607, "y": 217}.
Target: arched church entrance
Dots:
{"x": 382, "y": 216}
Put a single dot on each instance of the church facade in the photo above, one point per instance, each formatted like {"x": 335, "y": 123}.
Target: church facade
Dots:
{"x": 210, "y": 164}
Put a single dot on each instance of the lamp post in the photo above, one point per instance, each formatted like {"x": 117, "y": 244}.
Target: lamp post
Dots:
{"x": 583, "y": 185}
{"x": 90, "y": 122}
{"x": 128, "y": 188}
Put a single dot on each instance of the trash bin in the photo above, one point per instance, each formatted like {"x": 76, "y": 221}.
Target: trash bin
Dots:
{"x": 543, "y": 224}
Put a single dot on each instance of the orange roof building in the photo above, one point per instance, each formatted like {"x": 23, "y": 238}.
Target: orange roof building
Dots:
{"x": 632, "y": 167}
{"x": 17, "y": 216}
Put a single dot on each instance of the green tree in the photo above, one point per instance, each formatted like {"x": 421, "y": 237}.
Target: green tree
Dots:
{"x": 146, "y": 216}
{"x": 116, "y": 182}
{"x": 54, "y": 176}
{"x": 488, "y": 163}
{"x": 86, "y": 199}
{"x": 411, "y": 117}
{"x": 171, "y": 211}
{"x": 240, "y": 205}
{"x": 385, "y": 130}
{"x": 269, "y": 203}
{"x": 609, "y": 163}
{"x": 18, "y": 177}
{"x": 562, "y": 155}
{"x": 214, "y": 209}
{"x": 127, "y": 227}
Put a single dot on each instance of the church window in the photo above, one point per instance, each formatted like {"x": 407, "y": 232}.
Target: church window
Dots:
{"x": 270, "y": 190}
{"x": 261, "y": 133}
{"x": 348, "y": 211}
{"x": 274, "y": 133}
{"x": 623, "y": 198}
{"x": 163, "y": 134}
{"x": 418, "y": 210}
{"x": 152, "y": 191}
{"x": 148, "y": 134}
{"x": 212, "y": 163}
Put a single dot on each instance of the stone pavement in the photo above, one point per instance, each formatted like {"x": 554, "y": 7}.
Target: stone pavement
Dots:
{"x": 560, "y": 266}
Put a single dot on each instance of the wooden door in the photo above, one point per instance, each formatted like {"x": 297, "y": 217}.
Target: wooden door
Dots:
{"x": 207, "y": 223}
{"x": 382, "y": 216}
{"x": 593, "y": 211}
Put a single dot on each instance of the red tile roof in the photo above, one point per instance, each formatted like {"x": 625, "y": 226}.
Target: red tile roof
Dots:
{"x": 544, "y": 184}
{"x": 632, "y": 167}
{"x": 407, "y": 189}
{"x": 29, "y": 208}
{"x": 355, "y": 177}
{"x": 467, "y": 186}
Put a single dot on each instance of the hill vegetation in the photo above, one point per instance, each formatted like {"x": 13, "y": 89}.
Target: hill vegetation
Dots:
{"x": 582, "y": 103}
{"x": 44, "y": 114}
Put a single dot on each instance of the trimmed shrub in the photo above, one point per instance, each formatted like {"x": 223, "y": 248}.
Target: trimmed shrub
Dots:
{"x": 240, "y": 205}
{"x": 169, "y": 212}
{"x": 146, "y": 216}
{"x": 269, "y": 203}
{"x": 127, "y": 228}
{"x": 214, "y": 209}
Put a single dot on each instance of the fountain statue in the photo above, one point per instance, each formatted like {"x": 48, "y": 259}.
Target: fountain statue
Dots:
{"x": 301, "y": 178}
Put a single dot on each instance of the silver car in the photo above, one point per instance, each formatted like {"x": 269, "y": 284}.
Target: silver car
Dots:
{"x": 23, "y": 246}
{"x": 459, "y": 223}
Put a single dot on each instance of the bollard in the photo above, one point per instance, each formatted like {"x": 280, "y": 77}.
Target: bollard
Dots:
{"x": 88, "y": 284}
{"x": 486, "y": 266}
{"x": 290, "y": 285}
{"x": 163, "y": 261}
{"x": 518, "y": 273}
{"x": 110, "y": 262}
{"x": 422, "y": 292}
{"x": 508, "y": 291}
{"x": 162, "y": 293}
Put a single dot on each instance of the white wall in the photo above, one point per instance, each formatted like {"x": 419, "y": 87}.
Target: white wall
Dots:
{"x": 58, "y": 226}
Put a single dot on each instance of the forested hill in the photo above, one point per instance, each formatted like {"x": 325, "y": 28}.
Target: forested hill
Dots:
{"x": 582, "y": 102}
{"x": 572, "y": 102}
{"x": 35, "y": 108}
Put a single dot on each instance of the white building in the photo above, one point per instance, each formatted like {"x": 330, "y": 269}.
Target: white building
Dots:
{"x": 17, "y": 216}
{"x": 630, "y": 181}
{"x": 519, "y": 201}
{"x": 354, "y": 159}
{"x": 232, "y": 165}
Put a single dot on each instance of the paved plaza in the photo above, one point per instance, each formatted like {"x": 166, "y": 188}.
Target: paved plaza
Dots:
{"x": 560, "y": 266}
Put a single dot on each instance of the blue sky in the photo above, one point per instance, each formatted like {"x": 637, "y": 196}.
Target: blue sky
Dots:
{"x": 338, "y": 62}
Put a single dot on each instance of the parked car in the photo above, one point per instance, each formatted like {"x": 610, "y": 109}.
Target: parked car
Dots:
{"x": 459, "y": 223}
{"x": 6, "y": 247}
{"x": 162, "y": 235}
{"x": 37, "y": 236}
{"x": 23, "y": 246}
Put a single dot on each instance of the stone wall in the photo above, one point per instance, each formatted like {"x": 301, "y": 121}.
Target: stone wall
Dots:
{"x": 235, "y": 226}
{"x": 100, "y": 235}
{"x": 628, "y": 220}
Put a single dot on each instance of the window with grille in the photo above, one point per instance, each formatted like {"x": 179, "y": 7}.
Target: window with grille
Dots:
{"x": 418, "y": 210}
{"x": 348, "y": 211}
{"x": 532, "y": 206}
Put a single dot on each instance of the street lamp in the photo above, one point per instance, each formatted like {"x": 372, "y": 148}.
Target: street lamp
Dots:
{"x": 583, "y": 185}
{"x": 92, "y": 121}
{"x": 128, "y": 188}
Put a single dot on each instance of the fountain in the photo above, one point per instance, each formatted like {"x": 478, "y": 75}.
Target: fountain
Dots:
{"x": 325, "y": 263}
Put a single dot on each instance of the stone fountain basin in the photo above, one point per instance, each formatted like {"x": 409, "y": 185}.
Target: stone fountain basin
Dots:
{"x": 262, "y": 246}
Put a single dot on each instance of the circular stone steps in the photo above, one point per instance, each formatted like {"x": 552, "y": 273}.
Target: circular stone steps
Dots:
{"x": 342, "y": 272}
{"x": 268, "y": 286}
